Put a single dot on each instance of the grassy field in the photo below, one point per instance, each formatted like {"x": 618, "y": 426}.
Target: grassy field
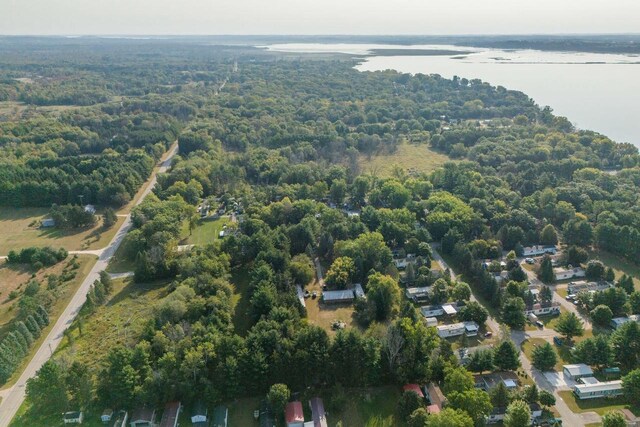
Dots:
{"x": 324, "y": 315}
{"x": 120, "y": 321}
{"x": 415, "y": 157}
{"x": 241, "y": 300}
{"x": 65, "y": 293}
{"x": 600, "y": 406}
{"x": 205, "y": 232}
{"x": 19, "y": 231}
{"x": 620, "y": 266}
{"x": 371, "y": 407}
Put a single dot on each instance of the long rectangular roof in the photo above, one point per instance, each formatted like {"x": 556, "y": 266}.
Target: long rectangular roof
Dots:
{"x": 600, "y": 386}
{"x": 340, "y": 295}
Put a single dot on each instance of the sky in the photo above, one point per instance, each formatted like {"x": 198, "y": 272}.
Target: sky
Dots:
{"x": 210, "y": 17}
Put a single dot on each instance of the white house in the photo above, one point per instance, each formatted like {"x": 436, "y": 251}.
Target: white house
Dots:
{"x": 432, "y": 311}
{"x": 540, "y": 310}
{"x": 565, "y": 273}
{"x": 432, "y": 321}
{"x": 598, "y": 390}
{"x": 74, "y": 417}
{"x": 538, "y": 250}
{"x": 418, "y": 294}
{"x": 616, "y": 322}
{"x": 470, "y": 329}
{"x": 577, "y": 371}
{"x": 583, "y": 286}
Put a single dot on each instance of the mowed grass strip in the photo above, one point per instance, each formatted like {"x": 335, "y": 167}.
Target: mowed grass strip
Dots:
{"x": 599, "y": 406}
{"x": 409, "y": 156}
{"x": 20, "y": 230}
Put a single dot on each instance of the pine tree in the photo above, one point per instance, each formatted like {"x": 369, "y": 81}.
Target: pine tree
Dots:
{"x": 546, "y": 270}
{"x": 24, "y": 331}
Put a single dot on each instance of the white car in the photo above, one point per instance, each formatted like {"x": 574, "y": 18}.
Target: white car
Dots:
{"x": 530, "y": 260}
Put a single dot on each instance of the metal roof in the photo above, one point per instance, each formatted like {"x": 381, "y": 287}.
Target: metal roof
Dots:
{"x": 578, "y": 369}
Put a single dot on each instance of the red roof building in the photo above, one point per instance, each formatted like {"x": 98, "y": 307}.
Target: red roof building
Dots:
{"x": 414, "y": 388}
{"x": 293, "y": 414}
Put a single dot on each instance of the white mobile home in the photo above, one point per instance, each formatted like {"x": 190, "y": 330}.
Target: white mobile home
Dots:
{"x": 564, "y": 273}
{"x": 470, "y": 329}
{"x": 598, "y": 390}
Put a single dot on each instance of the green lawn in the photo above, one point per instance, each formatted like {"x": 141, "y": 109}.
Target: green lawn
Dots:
{"x": 206, "y": 231}
{"x": 241, "y": 300}
{"x": 549, "y": 322}
{"x": 600, "y": 406}
{"x": 373, "y": 407}
{"x": 619, "y": 265}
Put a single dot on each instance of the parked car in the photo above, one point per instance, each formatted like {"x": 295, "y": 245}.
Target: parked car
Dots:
{"x": 314, "y": 295}
{"x": 570, "y": 297}
{"x": 530, "y": 260}
{"x": 307, "y": 294}
{"x": 488, "y": 334}
{"x": 539, "y": 324}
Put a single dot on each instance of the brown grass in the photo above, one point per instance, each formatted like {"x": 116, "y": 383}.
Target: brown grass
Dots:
{"x": 417, "y": 157}
{"x": 19, "y": 230}
{"x": 324, "y": 315}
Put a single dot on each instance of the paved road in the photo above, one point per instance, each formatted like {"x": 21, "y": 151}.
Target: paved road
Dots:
{"x": 13, "y": 397}
{"x": 563, "y": 302}
{"x": 569, "y": 418}
{"x": 491, "y": 322}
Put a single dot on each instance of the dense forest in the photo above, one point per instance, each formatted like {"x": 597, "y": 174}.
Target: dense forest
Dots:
{"x": 276, "y": 140}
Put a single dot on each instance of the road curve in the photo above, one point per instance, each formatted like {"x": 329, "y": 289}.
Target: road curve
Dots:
{"x": 14, "y": 396}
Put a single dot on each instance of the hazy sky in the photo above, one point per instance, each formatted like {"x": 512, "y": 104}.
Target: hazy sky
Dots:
{"x": 318, "y": 16}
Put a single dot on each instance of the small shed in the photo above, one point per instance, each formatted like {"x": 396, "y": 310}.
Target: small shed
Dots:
{"x": 199, "y": 414}
{"x": 143, "y": 417}
{"x": 293, "y": 414}
{"x": 73, "y": 417}
{"x": 449, "y": 309}
{"x": 220, "y": 416}
{"x": 432, "y": 321}
{"x": 48, "y": 223}
{"x": 106, "y": 415}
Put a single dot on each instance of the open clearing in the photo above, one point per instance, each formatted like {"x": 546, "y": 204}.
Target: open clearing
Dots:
{"x": 119, "y": 322}
{"x": 324, "y": 315}
{"x": 19, "y": 231}
{"x": 206, "y": 231}
{"x": 414, "y": 157}
{"x": 620, "y": 266}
